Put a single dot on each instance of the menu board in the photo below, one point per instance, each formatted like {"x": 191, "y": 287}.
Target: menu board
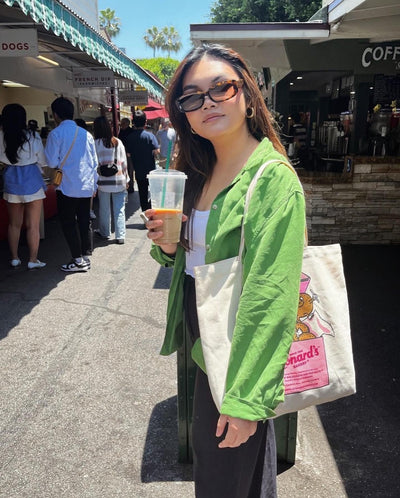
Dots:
{"x": 386, "y": 89}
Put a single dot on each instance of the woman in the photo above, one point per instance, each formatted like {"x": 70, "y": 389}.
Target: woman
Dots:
{"x": 22, "y": 152}
{"x": 226, "y": 134}
{"x": 114, "y": 187}
{"x": 33, "y": 127}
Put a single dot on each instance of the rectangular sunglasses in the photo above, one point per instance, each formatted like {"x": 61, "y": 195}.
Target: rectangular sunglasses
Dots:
{"x": 220, "y": 92}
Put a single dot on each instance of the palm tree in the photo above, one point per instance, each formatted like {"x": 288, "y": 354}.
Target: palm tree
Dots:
{"x": 154, "y": 39}
{"x": 109, "y": 22}
{"x": 172, "y": 40}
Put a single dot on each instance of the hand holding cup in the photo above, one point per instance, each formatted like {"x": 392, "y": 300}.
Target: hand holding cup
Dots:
{"x": 155, "y": 226}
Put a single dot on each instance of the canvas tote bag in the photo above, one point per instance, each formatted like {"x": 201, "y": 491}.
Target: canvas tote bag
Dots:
{"x": 320, "y": 366}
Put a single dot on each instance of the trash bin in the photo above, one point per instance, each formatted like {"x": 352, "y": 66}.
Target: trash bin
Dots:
{"x": 285, "y": 426}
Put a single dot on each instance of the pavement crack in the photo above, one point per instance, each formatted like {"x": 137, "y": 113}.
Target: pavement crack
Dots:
{"x": 146, "y": 318}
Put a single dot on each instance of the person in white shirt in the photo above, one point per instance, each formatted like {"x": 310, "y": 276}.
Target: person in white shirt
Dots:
{"x": 113, "y": 188}
{"x": 166, "y": 138}
{"x": 22, "y": 153}
{"x": 79, "y": 179}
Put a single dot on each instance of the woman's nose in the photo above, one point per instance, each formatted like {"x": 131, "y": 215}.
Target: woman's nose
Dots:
{"x": 207, "y": 102}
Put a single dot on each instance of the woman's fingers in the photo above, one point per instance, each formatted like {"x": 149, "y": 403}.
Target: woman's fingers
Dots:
{"x": 238, "y": 432}
{"x": 222, "y": 421}
{"x": 150, "y": 212}
{"x": 154, "y": 226}
{"x": 150, "y": 223}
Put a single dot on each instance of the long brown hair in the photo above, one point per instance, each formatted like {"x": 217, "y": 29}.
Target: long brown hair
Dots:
{"x": 102, "y": 129}
{"x": 14, "y": 130}
{"x": 196, "y": 155}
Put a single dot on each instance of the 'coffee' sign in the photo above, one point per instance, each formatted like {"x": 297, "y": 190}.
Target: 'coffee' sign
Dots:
{"x": 381, "y": 53}
{"x": 18, "y": 43}
{"x": 84, "y": 78}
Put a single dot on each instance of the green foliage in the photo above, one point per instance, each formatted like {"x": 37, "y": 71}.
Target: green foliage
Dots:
{"x": 162, "y": 67}
{"x": 263, "y": 10}
{"x": 109, "y": 22}
{"x": 295, "y": 8}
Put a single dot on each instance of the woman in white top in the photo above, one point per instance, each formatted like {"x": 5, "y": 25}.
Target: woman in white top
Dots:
{"x": 23, "y": 154}
{"x": 110, "y": 149}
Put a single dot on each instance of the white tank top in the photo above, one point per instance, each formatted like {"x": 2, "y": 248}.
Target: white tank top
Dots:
{"x": 197, "y": 254}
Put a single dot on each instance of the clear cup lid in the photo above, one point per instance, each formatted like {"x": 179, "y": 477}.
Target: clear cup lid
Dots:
{"x": 161, "y": 172}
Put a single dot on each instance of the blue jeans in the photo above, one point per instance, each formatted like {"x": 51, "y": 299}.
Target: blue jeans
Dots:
{"x": 118, "y": 202}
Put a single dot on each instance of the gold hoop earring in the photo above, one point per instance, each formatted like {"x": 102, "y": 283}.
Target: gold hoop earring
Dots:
{"x": 250, "y": 114}
{"x": 192, "y": 130}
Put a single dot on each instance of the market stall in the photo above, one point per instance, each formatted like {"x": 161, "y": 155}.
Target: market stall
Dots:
{"x": 336, "y": 77}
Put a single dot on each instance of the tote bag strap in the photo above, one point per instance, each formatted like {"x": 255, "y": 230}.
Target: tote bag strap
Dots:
{"x": 288, "y": 165}
{"x": 250, "y": 193}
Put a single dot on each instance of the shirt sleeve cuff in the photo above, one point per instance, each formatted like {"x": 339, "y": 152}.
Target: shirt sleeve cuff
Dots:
{"x": 160, "y": 256}
{"x": 239, "y": 408}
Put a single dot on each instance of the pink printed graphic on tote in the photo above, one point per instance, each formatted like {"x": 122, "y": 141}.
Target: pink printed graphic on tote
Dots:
{"x": 306, "y": 367}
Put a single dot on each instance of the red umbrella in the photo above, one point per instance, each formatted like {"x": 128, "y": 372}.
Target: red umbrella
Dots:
{"x": 154, "y": 110}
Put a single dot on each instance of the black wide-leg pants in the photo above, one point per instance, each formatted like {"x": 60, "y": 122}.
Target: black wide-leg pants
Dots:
{"x": 248, "y": 471}
{"x": 143, "y": 187}
{"x": 74, "y": 216}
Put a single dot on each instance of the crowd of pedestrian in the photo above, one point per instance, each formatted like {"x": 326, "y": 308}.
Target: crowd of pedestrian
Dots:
{"x": 88, "y": 165}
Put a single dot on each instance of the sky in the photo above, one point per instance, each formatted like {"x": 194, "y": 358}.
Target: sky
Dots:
{"x": 136, "y": 17}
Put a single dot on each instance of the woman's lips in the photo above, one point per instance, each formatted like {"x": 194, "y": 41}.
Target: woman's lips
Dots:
{"x": 212, "y": 117}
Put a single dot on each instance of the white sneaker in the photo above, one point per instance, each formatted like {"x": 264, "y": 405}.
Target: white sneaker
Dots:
{"x": 15, "y": 263}
{"x": 33, "y": 265}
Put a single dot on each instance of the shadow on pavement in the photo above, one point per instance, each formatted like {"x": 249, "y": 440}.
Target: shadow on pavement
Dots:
{"x": 132, "y": 205}
{"x": 163, "y": 279}
{"x": 159, "y": 461}
{"x": 21, "y": 290}
{"x": 363, "y": 430}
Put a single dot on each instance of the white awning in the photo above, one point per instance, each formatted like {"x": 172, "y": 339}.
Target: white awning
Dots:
{"x": 376, "y": 20}
{"x": 261, "y": 44}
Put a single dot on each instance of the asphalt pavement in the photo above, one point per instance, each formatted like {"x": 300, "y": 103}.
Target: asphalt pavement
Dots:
{"x": 88, "y": 407}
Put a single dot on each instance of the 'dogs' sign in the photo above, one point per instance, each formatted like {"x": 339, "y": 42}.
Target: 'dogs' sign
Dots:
{"x": 18, "y": 43}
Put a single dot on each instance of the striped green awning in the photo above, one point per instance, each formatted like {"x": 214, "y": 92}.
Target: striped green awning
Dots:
{"x": 63, "y": 23}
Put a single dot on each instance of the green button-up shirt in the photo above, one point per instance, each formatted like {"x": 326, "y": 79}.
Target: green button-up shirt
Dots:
{"x": 274, "y": 239}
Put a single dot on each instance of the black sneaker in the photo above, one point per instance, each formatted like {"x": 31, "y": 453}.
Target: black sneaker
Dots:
{"x": 75, "y": 266}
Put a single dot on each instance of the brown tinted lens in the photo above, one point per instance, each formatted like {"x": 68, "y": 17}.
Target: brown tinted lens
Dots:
{"x": 191, "y": 102}
{"x": 223, "y": 92}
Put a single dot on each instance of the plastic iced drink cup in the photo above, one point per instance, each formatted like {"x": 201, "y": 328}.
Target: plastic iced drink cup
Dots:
{"x": 166, "y": 193}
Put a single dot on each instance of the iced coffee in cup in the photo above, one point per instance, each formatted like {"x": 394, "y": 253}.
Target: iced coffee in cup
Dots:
{"x": 167, "y": 188}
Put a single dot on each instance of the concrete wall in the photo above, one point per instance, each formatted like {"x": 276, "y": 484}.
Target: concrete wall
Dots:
{"x": 362, "y": 208}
